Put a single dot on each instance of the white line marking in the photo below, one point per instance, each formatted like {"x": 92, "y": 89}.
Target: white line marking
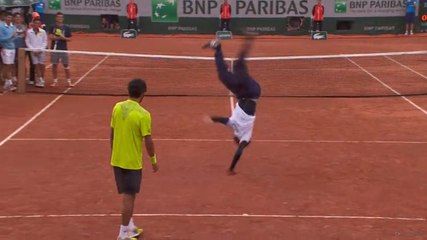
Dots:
{"x": 388, "y": 87}
{"x": 230, "y": 140}
{"x": 244, "y": 215}
{"x": 49, "y": 105}
{"x": 405, "y": 66}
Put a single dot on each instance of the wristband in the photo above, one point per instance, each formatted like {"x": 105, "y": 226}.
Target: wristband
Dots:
{"x": 153, "y": 159}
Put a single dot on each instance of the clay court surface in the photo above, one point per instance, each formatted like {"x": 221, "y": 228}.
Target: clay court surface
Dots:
{"x": 318, "y": 168}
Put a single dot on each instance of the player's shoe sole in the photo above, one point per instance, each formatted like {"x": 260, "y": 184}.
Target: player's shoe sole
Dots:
{"x": 137, "y": 232}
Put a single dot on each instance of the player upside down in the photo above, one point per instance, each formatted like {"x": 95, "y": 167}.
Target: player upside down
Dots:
{"x": 247, "y": 91}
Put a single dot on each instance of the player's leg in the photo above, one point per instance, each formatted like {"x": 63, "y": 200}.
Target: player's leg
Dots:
{"x": 66, "y": 62}
{"x": 8, "y": 57}
{"x": 42, "y": 67}
{"x": 128, "y": 183}
{"x": 237, "y": 155}
{"x": 31, "y": 77}
{"x": 54, "y": 57}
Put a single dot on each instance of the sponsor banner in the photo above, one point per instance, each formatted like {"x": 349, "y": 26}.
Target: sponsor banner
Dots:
{"x": 14, "y": 3}
{"x": 366, "y": 8}
{"x": 170, "y": 11}
{"x": 89, "y": 7}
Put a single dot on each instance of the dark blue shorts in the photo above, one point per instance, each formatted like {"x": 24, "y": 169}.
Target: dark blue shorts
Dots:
{"x": 410, "y": 18}
{"x": 128, "y": 181}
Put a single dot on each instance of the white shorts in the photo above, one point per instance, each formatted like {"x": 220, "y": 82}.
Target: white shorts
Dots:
{"x": 38, "y": 57}
{"x": 242, "y": 124}
{"x": 8, "y": 56}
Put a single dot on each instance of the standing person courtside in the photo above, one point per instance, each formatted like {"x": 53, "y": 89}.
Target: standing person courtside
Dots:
{"x": 60, "y": 35}
{"x": 7, "y": 41}
{"x": 21, "y": 30}
{"x": 132, "y": 11}
{"x": 36, "y": 40}
{"x": 225, "y": 16}
{"x": 318, "y": 15}
{"x": 411, "y": 5}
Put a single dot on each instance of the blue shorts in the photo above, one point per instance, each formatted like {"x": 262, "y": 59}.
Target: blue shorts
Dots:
{"x": 410, "y": 18}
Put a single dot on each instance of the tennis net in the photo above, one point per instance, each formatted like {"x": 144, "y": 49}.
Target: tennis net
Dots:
{"x": 344, "y": 75}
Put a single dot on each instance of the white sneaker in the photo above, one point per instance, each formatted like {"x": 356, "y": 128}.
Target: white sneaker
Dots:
{"x": 8, "y": 87}
{"x": 406, "y": 33}
{"x": 31, "y": 82}
{"x": 412, "y": 33}
{"x": 54, "y": 84}
{"x": 40, "y": 84}
{"x": 70, "y": 84}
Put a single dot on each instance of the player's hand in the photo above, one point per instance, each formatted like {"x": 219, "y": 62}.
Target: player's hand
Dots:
{"x": 155, "y": 167}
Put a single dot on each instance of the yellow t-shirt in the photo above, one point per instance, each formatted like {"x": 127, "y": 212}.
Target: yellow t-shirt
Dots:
{"x": 131, "y": 123}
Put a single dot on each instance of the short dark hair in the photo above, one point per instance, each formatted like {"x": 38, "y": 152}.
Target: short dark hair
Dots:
{"x": 17, "y": 14}
{"x": 136, "y": 88}
{"x": 9, "y": 14}
{"x": 59, "y": 13}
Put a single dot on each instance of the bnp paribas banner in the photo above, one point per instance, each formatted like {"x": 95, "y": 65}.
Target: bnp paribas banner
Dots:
{"x": 171, "y": 10}
{"x": 90, "y": 7}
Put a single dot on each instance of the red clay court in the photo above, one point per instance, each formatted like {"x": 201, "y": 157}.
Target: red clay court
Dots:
{"x": 334, "y": 156}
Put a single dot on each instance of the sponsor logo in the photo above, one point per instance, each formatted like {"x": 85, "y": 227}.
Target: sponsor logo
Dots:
{"x": 224, "y": 35}
{"x": 129, "y": 33}
{"x": 165, "y": 11}
{"x": 319, "y": 36}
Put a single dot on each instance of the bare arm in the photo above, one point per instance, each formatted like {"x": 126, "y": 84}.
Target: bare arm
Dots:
{"x": 149, "y": 145}
{"x": 111, "y": 139}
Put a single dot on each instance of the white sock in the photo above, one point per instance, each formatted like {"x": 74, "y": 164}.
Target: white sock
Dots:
{"x": 55, "y": 80}
{"x": 131, "y": 224}
{"x": 123, "y": 231}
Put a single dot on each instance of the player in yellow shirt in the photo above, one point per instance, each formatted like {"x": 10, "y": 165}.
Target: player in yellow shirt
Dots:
{"x": 130, "y": 126}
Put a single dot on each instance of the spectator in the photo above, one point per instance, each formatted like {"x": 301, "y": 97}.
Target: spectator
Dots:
{"x": 2, "y": 17}
{"x": 318, "y": 16}
{"x": 7, "y": 39}
{"x": 225, "y": 16}
{"x": 410, "y": 16}
{"x": 132, "y": 11}
{"x": 21, "y": 30}
{"x": 38, "y": 7}
{"x": 60, "y": 35}
{"x": 37, "y": 41}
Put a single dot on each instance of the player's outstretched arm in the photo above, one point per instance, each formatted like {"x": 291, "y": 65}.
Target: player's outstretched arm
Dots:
{"x": 237, "y": 156}
{"x": 149, "y": 145}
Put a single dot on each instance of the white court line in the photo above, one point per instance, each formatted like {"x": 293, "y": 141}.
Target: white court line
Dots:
{"x": 388, "y": 87}
{"x": 229, "y": 140}
{"x": 244, "y": 215}
{"x": 50, "y": 104}
{"x": 405, "y": 66}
